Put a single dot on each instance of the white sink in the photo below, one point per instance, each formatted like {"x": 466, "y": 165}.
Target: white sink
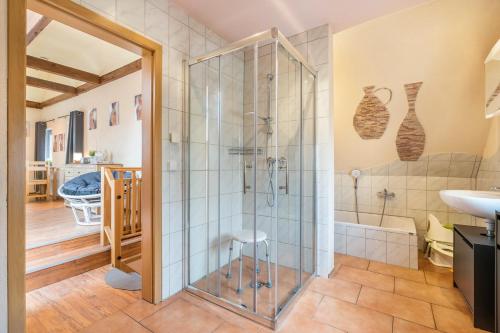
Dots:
{"x": 481, "y": 204}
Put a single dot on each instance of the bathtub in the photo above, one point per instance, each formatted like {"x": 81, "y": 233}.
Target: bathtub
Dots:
{"x": 394, "y": 242}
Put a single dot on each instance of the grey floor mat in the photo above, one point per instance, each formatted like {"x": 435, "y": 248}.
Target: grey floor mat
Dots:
{"x": 121, "y": 280}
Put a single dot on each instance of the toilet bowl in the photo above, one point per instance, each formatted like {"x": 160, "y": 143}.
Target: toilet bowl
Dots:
{"x": 439, "y": 241}
{"x": 441, "y": 254}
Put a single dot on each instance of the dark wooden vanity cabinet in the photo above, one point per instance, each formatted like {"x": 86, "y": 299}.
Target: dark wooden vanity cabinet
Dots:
{"x": 474, "y": 272}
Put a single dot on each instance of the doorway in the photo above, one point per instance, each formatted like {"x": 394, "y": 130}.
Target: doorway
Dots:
{"x": 150, "y": 53}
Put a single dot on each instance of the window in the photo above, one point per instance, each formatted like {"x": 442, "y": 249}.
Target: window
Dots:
{"x": 48, "y": 144}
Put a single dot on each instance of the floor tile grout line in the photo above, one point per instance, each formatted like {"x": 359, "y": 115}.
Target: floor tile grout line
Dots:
{"x": 359, "y": 293}
{"x": 433, "y": 317}
{"x": 146, "y": 328}
{"x": 408, "y": 320}
{"x": 393, "y": 316}
{"x": 152, "y": 314}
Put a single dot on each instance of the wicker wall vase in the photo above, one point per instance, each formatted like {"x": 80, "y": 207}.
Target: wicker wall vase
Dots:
{"x": 371, "y": 117}
{"x": 410, "y": 141}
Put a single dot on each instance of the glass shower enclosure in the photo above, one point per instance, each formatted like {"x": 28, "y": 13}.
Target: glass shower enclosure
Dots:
{"x": 250, "y": 225}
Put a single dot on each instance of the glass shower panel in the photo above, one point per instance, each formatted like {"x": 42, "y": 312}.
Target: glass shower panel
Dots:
{"x": 308, "y": 174}
{"x": 266, "y": 196}
{"x": 204, "y": 227}
{"x": 251, "y": 177}
{"x": 288, "y": 171}
{"x": 243, "y": 286}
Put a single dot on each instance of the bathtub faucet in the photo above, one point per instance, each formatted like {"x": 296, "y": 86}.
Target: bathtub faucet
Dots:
{"x": 386, "y": 194}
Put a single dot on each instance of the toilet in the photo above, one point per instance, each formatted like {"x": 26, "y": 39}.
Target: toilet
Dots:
{"x": 439, "y": 249}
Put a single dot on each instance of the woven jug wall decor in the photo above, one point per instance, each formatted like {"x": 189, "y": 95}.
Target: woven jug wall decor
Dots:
{"x": 410, "y": 141}
{"x": 371, "y": 117}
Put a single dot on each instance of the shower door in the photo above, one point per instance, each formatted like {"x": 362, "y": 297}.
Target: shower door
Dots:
{"x": 251, "y": 224}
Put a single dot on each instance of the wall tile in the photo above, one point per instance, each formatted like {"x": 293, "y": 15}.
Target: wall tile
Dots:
{"x": 178, "y": 35}
{"x": 438, "y": 168}
{"x": 106, "y": 7}
{"x": 434, "y": 202}
{"x": 355, "y": 246}
{"x": 417, "y": 168}
{"x": 375, "y": 234}
{"x": 317, "y": 52}
{"x": 416, "y": 199}
{"x": 398, "y": 254}
{"x": 416, "y": 182}
{"x": 340, "y": 243}
{"x": 376, "y": 250}
{"x": 437, "y": 183}
{"x": 356, "y": 231}
{"x": 131, "y": 13}
{"x": 399, "y": 238}
{"x": 156, "y": 24}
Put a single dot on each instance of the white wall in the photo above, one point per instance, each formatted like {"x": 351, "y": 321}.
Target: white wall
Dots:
{"x": 444, "y": 44}
{"x": 122, "y": 143}
{"x": 3, "y": 166}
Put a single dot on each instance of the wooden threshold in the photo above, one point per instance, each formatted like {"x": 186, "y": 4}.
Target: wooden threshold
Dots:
{"x": 95, "y": 258}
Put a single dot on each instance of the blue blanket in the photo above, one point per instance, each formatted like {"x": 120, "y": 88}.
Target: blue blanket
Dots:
{"x": 86, "y": 184}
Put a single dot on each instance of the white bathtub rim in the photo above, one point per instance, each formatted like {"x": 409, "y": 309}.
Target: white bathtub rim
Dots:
{"x": 373, "y": 227}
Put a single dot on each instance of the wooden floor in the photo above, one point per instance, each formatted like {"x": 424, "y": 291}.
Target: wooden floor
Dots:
{"x": 361, "y": 296}
{"x": 49, "y": 222}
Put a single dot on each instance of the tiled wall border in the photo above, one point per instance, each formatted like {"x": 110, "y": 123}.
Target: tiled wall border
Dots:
{"x": 416, "y": 185}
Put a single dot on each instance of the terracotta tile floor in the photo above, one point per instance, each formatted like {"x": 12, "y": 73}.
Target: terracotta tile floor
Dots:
{"x": 360, "y": 296}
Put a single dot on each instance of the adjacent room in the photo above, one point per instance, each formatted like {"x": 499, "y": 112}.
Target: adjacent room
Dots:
{"x": 83, "y": 120}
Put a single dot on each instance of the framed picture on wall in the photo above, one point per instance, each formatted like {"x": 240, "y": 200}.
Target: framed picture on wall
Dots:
{"x": 61, "y": 141}
{"x": 93, "y": 119}
{"x": 55, "y": 144}
{"x": 138, "y": 106}
{"x": 114, "y": 114}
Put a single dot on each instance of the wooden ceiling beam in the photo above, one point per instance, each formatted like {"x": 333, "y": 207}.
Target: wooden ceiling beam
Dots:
{"x": 55, "y": 68}
{"x": 106, "y": 78}
{"x": 34, "y": 105}
{"x": 50, "y": 85}
{"x": 37, "y": 29}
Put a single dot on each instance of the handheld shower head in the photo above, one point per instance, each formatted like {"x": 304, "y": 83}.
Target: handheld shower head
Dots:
{"x": 355, "y": 173}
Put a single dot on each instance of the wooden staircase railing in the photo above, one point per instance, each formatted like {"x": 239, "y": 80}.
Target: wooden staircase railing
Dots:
{"x": 121, "y": 211}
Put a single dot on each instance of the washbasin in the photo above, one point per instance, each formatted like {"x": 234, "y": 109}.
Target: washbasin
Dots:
{"x": 481, "y": 204}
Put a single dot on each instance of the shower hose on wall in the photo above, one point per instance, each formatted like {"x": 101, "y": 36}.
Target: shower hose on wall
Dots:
{"x": 271, "y": 161}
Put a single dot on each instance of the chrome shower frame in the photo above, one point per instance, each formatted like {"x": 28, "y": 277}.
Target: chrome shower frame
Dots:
{"x": 276, "y": 38}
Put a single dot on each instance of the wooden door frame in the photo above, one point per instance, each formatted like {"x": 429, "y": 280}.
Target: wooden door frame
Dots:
{"x": 83, "y": 19}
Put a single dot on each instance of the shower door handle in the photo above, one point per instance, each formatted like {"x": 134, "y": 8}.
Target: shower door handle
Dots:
{"x": 245, "y": 186}
{"x": 283, "y": 164}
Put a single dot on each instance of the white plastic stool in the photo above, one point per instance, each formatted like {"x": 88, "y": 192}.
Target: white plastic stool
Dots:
{"x": 245, "y": 236}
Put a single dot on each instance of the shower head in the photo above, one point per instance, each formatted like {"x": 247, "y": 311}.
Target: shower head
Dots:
{"x": 270, "y": 76}
{"x": 355, "y": 173}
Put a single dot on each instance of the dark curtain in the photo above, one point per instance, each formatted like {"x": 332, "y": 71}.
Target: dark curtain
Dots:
{"x": 40, "y": 129}
{"x": 75, "y": 135}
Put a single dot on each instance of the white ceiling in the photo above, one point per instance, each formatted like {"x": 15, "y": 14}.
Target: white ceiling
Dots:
{"x": 235, "y": 19}
{"x": 64, "y": 45}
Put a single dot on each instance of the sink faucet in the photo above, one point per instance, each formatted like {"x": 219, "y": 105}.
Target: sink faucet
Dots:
{"x": 495, "y": 188}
